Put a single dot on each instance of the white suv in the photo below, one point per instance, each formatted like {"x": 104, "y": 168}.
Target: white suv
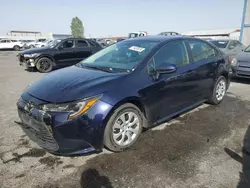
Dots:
{"x": 11, "y": 44}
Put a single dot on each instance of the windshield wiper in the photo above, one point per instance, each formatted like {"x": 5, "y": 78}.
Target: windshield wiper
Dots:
{"x": 98, "y": 68}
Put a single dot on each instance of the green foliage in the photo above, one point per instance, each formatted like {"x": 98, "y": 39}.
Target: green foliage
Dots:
{"x": 77, "y": 29}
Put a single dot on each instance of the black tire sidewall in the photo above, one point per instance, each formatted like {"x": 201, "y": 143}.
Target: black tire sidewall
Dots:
{"x": 42, "y": 59}
{"x": 108, "y": 138}
{"x": 214, "y": 99}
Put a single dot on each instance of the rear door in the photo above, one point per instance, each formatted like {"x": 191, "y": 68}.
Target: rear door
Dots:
{"x": 82, "y": 49}
{"x": 205, "y": 60}
{"x": 2, "y": 44}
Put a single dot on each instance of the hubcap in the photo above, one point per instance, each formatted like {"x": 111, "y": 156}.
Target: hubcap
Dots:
{"x": 44, "y": 65}
{"x": 220, "y": 90}
{"x": 126, "y": 128}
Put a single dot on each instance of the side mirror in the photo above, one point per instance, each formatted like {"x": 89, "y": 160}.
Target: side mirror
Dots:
{"x": 166, "y": 68}
{"x": 231, "y": 47}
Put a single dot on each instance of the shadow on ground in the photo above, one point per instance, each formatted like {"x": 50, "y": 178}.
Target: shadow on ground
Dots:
{"x": 244, "y": 181}
{"x": 241, "y": 80}
{"x": 162, "y": 157}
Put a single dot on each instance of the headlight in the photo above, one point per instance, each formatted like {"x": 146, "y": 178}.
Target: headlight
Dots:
{"x": 74, "y": 108}
{"x": 31, "y": 55}
{"x": 234, "y": 62}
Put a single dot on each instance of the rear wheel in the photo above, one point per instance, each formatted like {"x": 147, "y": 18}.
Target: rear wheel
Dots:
{"x": 123, "y": 127}
{"x": 16, "y": 48}
{"x": 32, "y": 46}
{"x": 219, "y": 91}
{"x": 44, "y": 65}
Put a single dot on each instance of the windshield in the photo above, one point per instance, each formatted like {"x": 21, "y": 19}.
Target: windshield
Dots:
{"x": 247, "y": 49}
{"x": 220, "y": 43}
{"x": 121, "y": 57}
{"x": 53, "y": 43}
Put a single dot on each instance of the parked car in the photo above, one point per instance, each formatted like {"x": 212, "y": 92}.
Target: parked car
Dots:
{"x": 43, "y": 44}
{"x": 32, "y": 44}
{"x": 107, "y": 99}
{"x": 120, "y": 39}
{"x": 169, "y": 33}
{"x": 65, "y": 53}
{"x": 241, "y": 64}
{"x": 230, "y": 47}
{"x": 9, "y": 44}
{"x": 137, "y": 34}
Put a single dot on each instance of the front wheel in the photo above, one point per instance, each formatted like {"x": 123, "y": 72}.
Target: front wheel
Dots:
{"x": 16, "y": 48}
{"x": 219, "y": 91}
{"x": 123, "y": 127}
{"x": 44, "y": 65}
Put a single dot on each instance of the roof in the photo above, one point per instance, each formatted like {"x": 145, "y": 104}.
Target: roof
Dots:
{"x": 211, "y": 32}
{"x": 158, "y": 38}
{"x": 15, "y": 31}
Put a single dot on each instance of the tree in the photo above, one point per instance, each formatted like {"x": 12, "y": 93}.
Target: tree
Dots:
{"x": 77, "y": 29}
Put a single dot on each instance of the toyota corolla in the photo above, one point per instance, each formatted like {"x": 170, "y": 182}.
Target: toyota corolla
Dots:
{"x": 108, "y": 98}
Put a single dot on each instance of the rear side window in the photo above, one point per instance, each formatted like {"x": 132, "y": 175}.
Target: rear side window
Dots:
{"x": 81, "y": 43}
{"x": 3, "y": 41}
{"x": 201, "y": 50}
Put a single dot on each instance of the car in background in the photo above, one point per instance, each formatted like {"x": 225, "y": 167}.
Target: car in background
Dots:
{"x": 230, "y": 47}
{"x": 65, "y": 53}
{"x": 169, "y": 33}
{"x": 120, "y": 39}
{"x": 9, "y": 44}
{"x": 137, "y": 34}
{"x": 32, "y": 44}
{"x": 43, "y": 44}
{"x": 108, "y": 98}
{"x": 101, "y": 41}
{"x": 241, "y": 64}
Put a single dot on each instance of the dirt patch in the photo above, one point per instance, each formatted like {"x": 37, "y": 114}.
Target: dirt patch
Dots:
{"x": 20, "y": 176}
{"x": 23, "y": 142}
{"x": 51, "y": 161}
{"x": 161, "y": 156}
{"x": 69, "y": 166}
{"x": 34, "y": 152}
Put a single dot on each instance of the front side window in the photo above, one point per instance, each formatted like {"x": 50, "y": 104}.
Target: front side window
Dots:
{"x": 201, "y": 50}
{"x": 172, "y": 53}
{"x": 123, "y": 56}
{"x": 81, "y": 43}
{"x": 68, "y": 44}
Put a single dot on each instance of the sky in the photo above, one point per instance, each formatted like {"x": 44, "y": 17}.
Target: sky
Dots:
{"x": 104, "y": 18}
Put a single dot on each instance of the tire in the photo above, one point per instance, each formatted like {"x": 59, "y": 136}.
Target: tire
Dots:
{"x": 110, "y": 131}
{"x": 31, "y": 46}
{"x": 44, "y": 65}
{"x": 16, "y": 48}
{"x": 217, "y": 98}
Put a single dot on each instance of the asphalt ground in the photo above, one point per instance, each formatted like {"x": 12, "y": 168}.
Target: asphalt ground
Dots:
{"x": 207, "y": 147}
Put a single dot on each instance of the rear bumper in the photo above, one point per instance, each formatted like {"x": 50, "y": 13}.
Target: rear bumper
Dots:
{"x": 57, "y": 136}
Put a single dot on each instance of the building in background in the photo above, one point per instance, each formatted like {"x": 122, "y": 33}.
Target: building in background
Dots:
{"x": 245, "y": 25}
{"x": 24, "y": 33}
{"x": 215, "y": 34}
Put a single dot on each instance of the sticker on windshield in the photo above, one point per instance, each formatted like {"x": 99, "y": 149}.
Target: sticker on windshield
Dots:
{"x": 222, "y": 42}
{"x": 137, "y": 49}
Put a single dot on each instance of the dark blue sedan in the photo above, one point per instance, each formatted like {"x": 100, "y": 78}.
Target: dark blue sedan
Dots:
{"x": 107, "y": 99}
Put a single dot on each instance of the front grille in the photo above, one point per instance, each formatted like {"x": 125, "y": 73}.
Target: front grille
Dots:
{"x": 37, "y": 130}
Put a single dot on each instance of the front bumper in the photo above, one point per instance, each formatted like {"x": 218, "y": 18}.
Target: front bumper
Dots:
{"x": 242, "y": 70}
{"x": 56, "y": 134}
{"x": 27, "y": 62}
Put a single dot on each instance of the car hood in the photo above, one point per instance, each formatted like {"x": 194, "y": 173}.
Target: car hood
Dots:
{"x": 72, "y": 83}
{"x": 244, "y": 57}
{"x": 36, "y": 50}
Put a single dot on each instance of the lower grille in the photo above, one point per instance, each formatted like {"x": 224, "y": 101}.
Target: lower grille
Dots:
{"x": 36, "y": 129}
